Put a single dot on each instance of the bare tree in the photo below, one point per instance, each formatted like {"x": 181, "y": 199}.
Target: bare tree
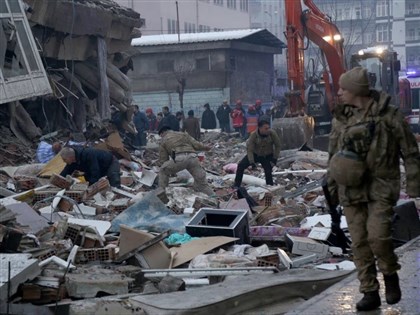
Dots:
{"x": 182, "y": 69}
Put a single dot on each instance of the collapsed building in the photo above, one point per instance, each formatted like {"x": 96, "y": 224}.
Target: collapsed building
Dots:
{"x": 81, "y": 46}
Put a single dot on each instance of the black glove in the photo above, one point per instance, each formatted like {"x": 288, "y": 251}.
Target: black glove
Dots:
{"x": 253, "y": 166}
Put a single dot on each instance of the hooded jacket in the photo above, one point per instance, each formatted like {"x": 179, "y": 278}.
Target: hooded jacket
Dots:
{"x": 390, "y": 138}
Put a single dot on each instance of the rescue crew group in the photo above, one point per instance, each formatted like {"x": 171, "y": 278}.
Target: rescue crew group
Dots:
{"x": 368, "y": 137}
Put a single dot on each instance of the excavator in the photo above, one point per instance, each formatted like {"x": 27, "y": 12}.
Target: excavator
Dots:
{"x": 307, "y": 110}
{"x": 311, "y": 105}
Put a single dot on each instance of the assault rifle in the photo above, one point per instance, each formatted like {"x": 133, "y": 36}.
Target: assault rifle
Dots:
{"x": 339, "y": 238}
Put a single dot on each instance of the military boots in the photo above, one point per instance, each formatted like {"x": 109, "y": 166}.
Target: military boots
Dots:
{"x": 369, "y": 302}
{"x": 392, "y": 289}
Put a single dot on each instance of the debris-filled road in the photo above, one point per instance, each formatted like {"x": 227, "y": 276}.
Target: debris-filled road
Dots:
{"x": 62, "y": 240}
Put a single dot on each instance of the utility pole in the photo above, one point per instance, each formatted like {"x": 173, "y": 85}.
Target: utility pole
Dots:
{"x": 177, "y": 21}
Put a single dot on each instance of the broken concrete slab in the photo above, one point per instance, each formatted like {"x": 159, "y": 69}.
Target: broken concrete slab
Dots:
{"x": 306, "y": 246}
{"x": 240, "y": 294}
{"x": 343, "y": 265}
{"x": 106, "y": 305}
{"x": 185, "y": 252}
{"x": 150, "y": 214}
{"x": 89, "y": 282}
{"x": 156, "y": 256}
{"x": 22, "y": 268}
{"x": 28, "y": 218}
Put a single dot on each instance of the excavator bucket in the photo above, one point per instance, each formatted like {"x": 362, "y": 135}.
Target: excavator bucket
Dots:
{"x": 294, "y": 131}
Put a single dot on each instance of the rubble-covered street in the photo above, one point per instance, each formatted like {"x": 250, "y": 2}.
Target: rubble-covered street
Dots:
{"x": 66, "y": 241}
{"x": 120, "y": 243}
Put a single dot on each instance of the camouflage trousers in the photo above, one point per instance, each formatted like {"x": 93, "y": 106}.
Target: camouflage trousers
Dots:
{"x": 370, "y": 229}
{"x": 189, "y": 162}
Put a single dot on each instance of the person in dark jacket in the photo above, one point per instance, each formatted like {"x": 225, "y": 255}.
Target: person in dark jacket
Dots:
{"x": 208, "y": 119}
{"x": 263, "y": 146}
{"x": 192, "y": 125}
{"x": 168, "y": 119}
{"x": 142, "y": 125}
{"x": 93, "y": 163}
{"x": 223, "y": 115}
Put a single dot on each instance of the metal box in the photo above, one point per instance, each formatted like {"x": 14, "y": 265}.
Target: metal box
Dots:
{"x": 220, "y": 222}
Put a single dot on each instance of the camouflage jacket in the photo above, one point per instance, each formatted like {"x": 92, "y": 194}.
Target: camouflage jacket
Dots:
{"x": 263, "y": 146}
{"x": 388, "y": 138}
{"x": 178, "y": 142}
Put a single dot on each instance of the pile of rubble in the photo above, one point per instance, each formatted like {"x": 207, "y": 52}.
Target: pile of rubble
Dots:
{"x": 62, "y": 240}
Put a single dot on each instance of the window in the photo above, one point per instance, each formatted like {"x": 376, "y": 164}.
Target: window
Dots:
{"x": 172, "y": 26}
{"x": 165, "y": 66}
{"x": 339, "y": 14}
{"x": 410, "y": 34}
{"x": 382, "y": 33}
{"x": 243, "y": 5}
{"x": 189, "y": 27}
{"x": 382, "y": 8}
{"x": 368, "y": 38}
{"x": 367, "y": 12}
{"x": 347, "y": 13}
{"x": 231, "y": 4}
{"x": 203, "y": 28}
{"x": 202, "y": 64}
{"x": 357, "y": 13}
{"x": 218, "y": 2}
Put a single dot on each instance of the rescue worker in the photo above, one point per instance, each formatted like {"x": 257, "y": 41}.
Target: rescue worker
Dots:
{"x": 192, "y": 125}
{"x": 251, "y": 120}
{"x": 238, "y": 118}
{"x": 263, "y": 146}
{"x": 367, "y": 139}
{"x": 93, "y": 163}
{"x": 177, "y": 152}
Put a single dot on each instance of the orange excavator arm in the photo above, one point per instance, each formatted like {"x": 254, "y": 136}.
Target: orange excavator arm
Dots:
{"x": 318, "y": 28}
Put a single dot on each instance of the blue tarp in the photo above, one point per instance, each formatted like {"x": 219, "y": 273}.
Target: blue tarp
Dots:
{"x": 150, "y": 214}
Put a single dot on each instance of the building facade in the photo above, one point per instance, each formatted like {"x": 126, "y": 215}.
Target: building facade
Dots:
{"x": 270, "y": 14}
{"x": 393, "y": 24}
{"x": 194, "y": 16}
{"x": 213, "y": 66}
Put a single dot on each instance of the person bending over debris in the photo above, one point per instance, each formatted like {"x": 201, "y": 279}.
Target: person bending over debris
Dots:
{"x": 93, "y": 163}
{"x": 178, "y": 151}
{"x": 368, "y": 137}
{"x": 263, "y": 146}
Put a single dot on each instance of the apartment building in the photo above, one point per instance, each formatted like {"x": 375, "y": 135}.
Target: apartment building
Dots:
{"x": 270, "y": 14}
{"x": 194, "y": 16}
{"x": 394, "y": 24}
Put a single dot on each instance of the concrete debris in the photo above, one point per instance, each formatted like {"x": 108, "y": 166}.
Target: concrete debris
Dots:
{"x": 88, "y": 283}
{"x": 18, "y": 268}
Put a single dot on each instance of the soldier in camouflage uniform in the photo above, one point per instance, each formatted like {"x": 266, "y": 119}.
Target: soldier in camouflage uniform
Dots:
{"x": 368, "y": 137}
{"x": 178, "y": 152}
